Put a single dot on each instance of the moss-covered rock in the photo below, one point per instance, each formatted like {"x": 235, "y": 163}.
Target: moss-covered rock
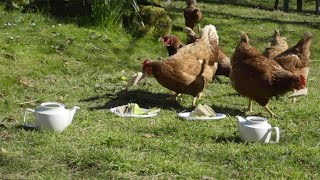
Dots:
{"x": 150, "y": 20}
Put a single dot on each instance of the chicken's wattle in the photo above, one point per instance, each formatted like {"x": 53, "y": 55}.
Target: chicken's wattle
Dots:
{"x": 145, "y": 68}
{"x": 303, "y": 81}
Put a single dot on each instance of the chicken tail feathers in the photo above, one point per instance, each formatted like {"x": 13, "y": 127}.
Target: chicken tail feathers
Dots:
{"x": 307, "y": 38}
{"x": 209, "y": 33}
{"x": 276, "y": 33}
{"x": 244, "y": 38}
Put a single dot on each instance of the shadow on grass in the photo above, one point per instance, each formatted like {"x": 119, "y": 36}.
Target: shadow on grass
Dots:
{"x": 229, "y": 139}
{"x": 26, "y": 128}
{"x": 145, "y": 99}
{"x": 239, "y": 3}
{"x": 314, "y": 25}
{"x": 227, "y": 110}
{"x": 255, "y": 4}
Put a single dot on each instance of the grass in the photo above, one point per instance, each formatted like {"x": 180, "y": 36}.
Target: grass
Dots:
{"x": 42, "y": 60}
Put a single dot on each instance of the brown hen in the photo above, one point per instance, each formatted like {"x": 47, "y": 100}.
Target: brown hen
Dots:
{"x": 224, "y": 64}
{"x": 259, "y": 78}
{"x": 172, "y": 43}
{"x": 190, "y": 69}
{"x": 192, "y": 14}
{"x": 278, "y": 45}
{"x": 191, "y": 35}
{"x": 296, "y": 58}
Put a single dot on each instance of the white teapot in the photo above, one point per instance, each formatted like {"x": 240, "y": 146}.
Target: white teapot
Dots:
{"x": 52, "y": 116}
{"x": 256, "y": 129}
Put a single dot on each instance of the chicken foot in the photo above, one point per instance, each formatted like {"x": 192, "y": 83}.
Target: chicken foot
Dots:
{"x": 175, "y": 97}
{"x": 272, "y": 114}
{"x": 195, "y": 99}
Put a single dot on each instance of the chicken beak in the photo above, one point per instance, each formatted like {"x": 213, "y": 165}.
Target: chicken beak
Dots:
{"x": 144, "y": 75}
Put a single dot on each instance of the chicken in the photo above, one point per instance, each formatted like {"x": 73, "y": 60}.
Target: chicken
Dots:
{"x": 190, "y": 69}
{"x": 296, "y": 58}
{"x": 191, "y": 35}
{"x": 172, "y": 42}
{"x": 224, "y": 64}
{"x": 259, "y": 78}
{"x": 192, "y": 14}
{"x": 277, "y": 46}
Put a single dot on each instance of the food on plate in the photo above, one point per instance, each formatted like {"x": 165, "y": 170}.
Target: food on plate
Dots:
{"x": 203, "y": 110}
{"x": 134, "y": 109}
{"x": 300, "y": 92}
{"x": 153, "y": 111}
{"x": 131, "y": 108}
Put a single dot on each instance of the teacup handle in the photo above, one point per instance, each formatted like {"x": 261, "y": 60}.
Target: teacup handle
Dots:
{"x": 277, "y": 133}
{"x": 24, "y": 118}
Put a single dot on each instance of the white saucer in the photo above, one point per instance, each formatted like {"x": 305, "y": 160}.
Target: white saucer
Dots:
{"x": 301, "y": 92}
{"x": 113, "y": 110}
{"x": 187, "y": 116}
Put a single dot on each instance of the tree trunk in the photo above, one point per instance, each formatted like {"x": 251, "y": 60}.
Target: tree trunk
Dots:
{"x": 317, "y": 7}
{"x": 286, "y": 5}
{"x": 276, "y": 4}
{"x": 299, "y": 5}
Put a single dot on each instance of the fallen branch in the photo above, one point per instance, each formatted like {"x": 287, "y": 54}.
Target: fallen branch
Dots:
{"x": 27, "y": 102}
{"x": 2, "y": 95}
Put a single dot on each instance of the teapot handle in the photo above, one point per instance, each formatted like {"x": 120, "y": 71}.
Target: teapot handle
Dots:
{"x": 277, "y": 133}
{"x": 24, "y": 118}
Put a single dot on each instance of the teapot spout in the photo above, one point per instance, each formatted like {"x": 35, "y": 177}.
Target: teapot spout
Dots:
{"x": 240, "y": 119}
{"x": 72, "y": 112}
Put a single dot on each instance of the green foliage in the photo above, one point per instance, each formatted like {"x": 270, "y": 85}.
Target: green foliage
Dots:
{"x": 150, "y": 20}
{"x": 16, "y": 4}
{"x": 108, "y": 13}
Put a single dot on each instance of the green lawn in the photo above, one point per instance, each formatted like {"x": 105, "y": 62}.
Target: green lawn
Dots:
{"x": 42, "y": 59}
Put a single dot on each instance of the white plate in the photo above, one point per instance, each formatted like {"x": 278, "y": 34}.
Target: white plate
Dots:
{"x": 301, "y": 92}
{"x": 187, "y": 116}
{"x": 113, "y": 110}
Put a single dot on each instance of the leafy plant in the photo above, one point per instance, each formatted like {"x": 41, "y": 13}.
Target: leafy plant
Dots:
{"x": 16, "y": 4}
{"x": 107, "y": 13}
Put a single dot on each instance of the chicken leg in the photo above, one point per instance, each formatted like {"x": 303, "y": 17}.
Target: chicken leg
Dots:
{"x": 294, "y": 100}
{"x": 195, "y": 99}
{"x": 249, "y": 110}
{"x": 272, "y": 114}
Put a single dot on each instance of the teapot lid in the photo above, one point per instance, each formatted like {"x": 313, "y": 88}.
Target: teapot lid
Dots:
{"x": 50, "y": 105}
{"x": 256, "y": 121}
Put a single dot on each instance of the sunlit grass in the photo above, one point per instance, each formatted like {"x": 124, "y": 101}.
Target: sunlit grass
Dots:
{"x": 53, "y": 61}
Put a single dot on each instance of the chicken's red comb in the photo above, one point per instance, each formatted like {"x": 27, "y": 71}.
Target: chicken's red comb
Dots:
{"x": 303, "y": 80}
{"x": 146, "y": 61}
